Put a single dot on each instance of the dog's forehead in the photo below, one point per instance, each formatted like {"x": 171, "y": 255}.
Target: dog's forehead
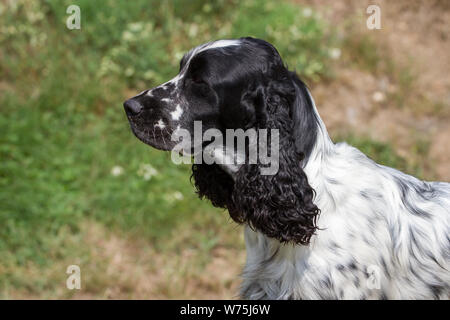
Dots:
{"x": 207, "y": 46}
{"x": 220, "y": 44}
{"x": 172, "y": 84}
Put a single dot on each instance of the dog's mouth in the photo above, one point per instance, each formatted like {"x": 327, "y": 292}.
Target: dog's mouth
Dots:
{"x": 156, "y": 137}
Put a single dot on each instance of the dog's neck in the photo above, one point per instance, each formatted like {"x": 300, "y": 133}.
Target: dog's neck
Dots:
{"x": 317, "y": 167}
{"x": 322, "y": 149}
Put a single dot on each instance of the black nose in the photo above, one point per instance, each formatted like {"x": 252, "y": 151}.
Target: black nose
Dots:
{"x": 132, "y": 107}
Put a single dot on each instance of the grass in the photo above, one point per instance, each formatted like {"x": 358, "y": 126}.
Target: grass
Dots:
{"x": 367, "y": 52}
{"x": 76, "y": 187}
{"x": 384, "y": 154}
{"x": 363, "y": 52}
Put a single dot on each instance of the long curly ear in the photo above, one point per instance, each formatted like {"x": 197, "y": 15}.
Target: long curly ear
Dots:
{"x": 214, "y": 184}
{"x": 280, "y": 205}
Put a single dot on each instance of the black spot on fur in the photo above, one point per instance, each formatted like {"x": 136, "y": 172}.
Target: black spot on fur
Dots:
{"x": 356, "y": 282}
{"x": 385, "y": 268}
{"x": 326, "y": 282}
{"x": 371, "y": 194}
{"x": 333, "y": 181}
{"x": 365, "y": 194}
{"x": 422, "y": 190}
{"x": 334, "y": 245}
{"x": 436, "y": 290}
{"x": 353, "y": 266}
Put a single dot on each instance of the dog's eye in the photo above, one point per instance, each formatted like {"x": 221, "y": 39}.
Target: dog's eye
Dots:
{"x": 200, "y": 87}
{"x": 197, "y": 80}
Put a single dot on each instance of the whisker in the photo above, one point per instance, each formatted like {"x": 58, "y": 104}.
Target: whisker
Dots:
{"x": 162, "y": 135}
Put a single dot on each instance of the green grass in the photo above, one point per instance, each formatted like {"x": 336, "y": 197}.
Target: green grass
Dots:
{"x": 383, "y": 153}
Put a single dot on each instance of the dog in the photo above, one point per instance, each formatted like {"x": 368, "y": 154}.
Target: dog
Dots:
{"x": 331, "y": 223}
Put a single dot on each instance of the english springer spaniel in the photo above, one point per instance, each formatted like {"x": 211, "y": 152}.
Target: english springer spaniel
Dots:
{"x": 331, "y": 223}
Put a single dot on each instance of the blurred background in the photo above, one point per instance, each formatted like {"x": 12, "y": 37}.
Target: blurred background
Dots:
{"x": 76, "y": 187}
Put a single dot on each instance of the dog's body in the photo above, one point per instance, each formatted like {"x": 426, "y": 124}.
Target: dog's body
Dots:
{"x": 381, "y": 234}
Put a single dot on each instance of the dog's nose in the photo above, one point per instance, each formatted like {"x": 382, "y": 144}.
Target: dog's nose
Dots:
{"x": 132, "y": 107}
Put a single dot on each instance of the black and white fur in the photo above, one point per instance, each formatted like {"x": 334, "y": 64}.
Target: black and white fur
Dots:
{"x": 332, "y": 223}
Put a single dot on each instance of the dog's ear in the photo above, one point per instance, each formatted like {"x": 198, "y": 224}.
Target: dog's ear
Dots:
{"x": 215, "y": 184}
{"x": 304, "y": 118}
{"x": 279, "y": 205}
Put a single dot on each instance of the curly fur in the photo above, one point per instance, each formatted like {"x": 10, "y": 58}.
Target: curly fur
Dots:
{"x": 218, "y": 193}
{"x": 281, "y": 205}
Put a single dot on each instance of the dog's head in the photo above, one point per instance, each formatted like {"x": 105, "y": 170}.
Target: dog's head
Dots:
{"x": 197, "y": 93}
{"x": 240, "y": 84}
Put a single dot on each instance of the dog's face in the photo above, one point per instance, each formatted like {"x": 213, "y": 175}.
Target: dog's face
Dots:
{"x": 208, "y": 88}
{"x": 239, "y": 84}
